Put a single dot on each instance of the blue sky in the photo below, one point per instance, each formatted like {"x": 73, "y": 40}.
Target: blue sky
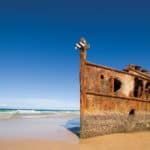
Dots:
{"x": 38, "y": 64}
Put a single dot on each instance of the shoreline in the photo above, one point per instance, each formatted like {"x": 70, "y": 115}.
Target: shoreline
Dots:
{"x": 54, "y": 127}
{"x": 39, "y": 133}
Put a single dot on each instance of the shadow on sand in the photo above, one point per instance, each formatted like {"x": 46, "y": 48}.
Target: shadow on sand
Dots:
{"x": 74, "y": 126}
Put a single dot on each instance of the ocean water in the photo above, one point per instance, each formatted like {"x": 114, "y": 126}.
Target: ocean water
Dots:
{"x": 38, "y": 123}
{"x": 36, "y": 113}
{"x": 35, "y": 123}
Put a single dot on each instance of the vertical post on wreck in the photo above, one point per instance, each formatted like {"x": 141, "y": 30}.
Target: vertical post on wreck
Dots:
{"x": 83, "y": 47}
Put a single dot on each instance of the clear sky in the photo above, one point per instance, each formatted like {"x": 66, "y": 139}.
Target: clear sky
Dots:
{"x": 39, "y": 66}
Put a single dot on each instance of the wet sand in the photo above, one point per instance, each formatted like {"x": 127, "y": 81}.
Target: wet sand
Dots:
{"x": 38, "y": 134}
{"x": 124, "y": 141}
{"x": 40, "y": 128}
{"x": 50, "y": 134}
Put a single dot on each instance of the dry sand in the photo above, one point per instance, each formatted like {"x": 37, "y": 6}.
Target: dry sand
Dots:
{"x": 27, "y": 144}
{"x": 124, "y": 141}
{"x": 128, "y": 141}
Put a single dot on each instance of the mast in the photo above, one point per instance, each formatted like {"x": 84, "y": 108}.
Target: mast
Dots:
{"x": 83, "y": 47}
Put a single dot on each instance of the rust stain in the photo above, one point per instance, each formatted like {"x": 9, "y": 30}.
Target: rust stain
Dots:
{"x": 106, "y": 89}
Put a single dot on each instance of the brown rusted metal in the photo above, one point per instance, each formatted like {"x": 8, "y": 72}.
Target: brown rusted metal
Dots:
{"x": 99, "y": 92}
{"x": 83, "y": 47}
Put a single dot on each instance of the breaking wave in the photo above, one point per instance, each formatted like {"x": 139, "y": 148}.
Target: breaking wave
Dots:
{"x": 8, "y": 114}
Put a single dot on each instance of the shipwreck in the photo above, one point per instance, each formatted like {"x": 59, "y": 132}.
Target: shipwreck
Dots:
{"x": 112, "y": 100}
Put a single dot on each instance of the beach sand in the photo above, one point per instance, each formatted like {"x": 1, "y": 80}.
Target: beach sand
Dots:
{"x": 37, "y": 134}
{"x": 51, "y": 134}
{"x": 28, "y": 144}
{"x": 122, "y": 141}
